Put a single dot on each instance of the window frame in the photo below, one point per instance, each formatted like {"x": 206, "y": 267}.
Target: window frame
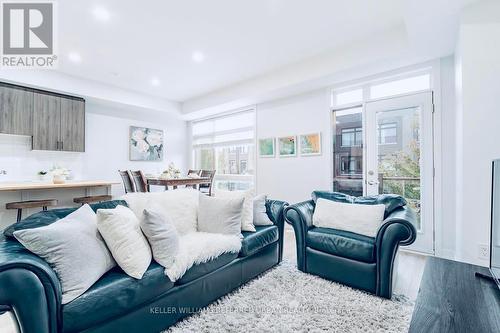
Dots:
{"x": 236, "y": 178}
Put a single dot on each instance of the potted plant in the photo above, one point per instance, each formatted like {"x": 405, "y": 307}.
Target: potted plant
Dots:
{"x": 59, "y": 174}
{"x": 42, "y": 175}
{"x": 171, "y": 173}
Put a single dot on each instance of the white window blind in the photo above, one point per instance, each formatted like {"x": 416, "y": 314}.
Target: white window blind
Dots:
{"x": 226, "y": 144}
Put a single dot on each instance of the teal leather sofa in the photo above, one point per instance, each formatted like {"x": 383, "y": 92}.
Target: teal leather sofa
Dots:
{"x": 118, "y": 303}
{"x": 355, "y": 260}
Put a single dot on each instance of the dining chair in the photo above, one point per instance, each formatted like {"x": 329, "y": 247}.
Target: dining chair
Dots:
{"x": 194, "y": 172}
{"x": 128, "y": 182}
{"x": 207, "y": 188}
{"x": 141, "y": 184}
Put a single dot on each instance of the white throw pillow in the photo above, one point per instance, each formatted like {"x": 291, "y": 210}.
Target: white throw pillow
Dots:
{"x": 73, "y": 247}
{"x": 260, "y": 212}
{"x": 180, "y": 205}
{"x": 247, "y": 213}
{"x": 161, "y": 235}
{"x": 220, "y": 215}
{"x": 360, "y": 219}
{"x": 120, "y": 229}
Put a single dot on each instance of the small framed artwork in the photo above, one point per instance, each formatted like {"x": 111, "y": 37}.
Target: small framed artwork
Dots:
{"x": 287, "y": 146}
{"x": 146, "y": 144}
{"x": 310, "y": 144}
{"x": 266, "y": 147}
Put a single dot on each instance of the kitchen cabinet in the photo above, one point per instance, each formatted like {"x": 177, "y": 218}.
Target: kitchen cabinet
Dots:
{"x": 16, "y": 110}
{"x": 58, "y": 123}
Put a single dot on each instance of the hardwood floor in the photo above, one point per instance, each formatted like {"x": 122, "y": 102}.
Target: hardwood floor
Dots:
{"x": 409, "y": 266}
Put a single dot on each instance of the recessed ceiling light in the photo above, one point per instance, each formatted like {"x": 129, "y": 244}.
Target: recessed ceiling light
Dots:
{"x": 101, "y": 14}
{"x": 155, "y": 81}
{"x": 75, "y": 57}
{"x": 198, "y": 56}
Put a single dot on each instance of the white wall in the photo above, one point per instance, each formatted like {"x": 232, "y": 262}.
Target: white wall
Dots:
{"x": 106, "y": 151}
{"x": 294, "y": 178}
{"x": 445, "y": 221}
{"x": 107, "y": 148}
{"x": 478, "y": 55}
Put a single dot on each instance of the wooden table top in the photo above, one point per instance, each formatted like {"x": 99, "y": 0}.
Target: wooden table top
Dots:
{"x": 38, "y": 185}
{"x": 178, "y": 181}
{"x": 452, "y": 299}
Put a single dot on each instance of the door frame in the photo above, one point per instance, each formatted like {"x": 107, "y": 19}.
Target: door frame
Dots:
{"x": 424, "y": 100}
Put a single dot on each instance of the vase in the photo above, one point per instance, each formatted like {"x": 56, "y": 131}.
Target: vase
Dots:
{"x": 59, "y": 179}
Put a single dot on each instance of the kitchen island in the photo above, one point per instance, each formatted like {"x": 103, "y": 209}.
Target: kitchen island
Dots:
{"x": 40, "y": 190}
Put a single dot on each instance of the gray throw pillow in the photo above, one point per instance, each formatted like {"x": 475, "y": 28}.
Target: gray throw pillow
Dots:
{"x": 73, "y": 247}
{"x": 161, "y": 235}
{"x": 260, "y": 212}
{"x": 220, "y": 215}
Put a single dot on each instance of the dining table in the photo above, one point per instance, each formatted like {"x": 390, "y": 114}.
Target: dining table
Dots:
{"x": 175, "y": 182}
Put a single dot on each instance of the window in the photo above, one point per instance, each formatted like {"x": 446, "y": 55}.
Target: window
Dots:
{"x": 388, "y": 134}
{"x": 226, "y": 144}
{"x": 351, "y": 165}
{"x": 351, "y": 137}
{"x": 403, "y": 86}
{"x": 349, "y": 97}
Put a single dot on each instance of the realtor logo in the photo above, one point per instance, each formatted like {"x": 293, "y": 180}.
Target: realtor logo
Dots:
{"x": 28, "y": 34}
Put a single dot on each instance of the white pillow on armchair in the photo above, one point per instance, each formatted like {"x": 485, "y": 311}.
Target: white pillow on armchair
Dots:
{"x": 360, "y": 219}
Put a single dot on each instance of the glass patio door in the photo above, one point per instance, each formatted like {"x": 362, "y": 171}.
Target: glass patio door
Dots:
{"x": 399, "y": 156}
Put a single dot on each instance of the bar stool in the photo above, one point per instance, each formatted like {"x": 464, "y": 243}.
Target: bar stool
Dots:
{"x": 20, "y": 205}
{"x": 91, "y": 199}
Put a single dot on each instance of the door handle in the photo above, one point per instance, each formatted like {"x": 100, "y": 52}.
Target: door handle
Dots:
{"x": 373, "y": 182}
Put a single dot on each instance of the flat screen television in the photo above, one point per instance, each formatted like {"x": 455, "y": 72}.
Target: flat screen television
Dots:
{"x": 495, "y": 224}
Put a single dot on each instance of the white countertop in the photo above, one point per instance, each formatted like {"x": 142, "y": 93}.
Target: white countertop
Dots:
{"x": 48, "y": 185}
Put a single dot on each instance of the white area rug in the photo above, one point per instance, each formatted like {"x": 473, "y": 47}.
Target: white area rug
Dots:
{"x": 287, "y": 300}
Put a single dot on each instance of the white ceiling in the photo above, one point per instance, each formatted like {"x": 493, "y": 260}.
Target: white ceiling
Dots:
{"x": 241, "y": 40}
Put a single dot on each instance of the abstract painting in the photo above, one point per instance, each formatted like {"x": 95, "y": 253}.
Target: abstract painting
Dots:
{"x": 287, "y": 146}
{"x": 310, "y": 144}
{"x": 146, "y": 144}
{"x": 266, "y": 147}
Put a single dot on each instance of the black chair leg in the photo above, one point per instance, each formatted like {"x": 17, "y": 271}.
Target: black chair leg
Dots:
{"x": 19, "y": 214}
{"x": 44, "y": 208}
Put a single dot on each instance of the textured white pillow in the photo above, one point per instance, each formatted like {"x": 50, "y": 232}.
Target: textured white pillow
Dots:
{"x": 73, "y": 247}
{"x": 247, "y": 213}
{"x": 220, "y": 215}
{"x": 120, "y": 229}
{"x": 161, "y": 235}
{"x": 180, "y": 205}
{"x": 360, "y": 219}
{"x": 259, "y": 211}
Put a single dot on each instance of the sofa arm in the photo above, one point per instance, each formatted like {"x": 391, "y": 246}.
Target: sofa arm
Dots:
{"x": 300, "y": 217}
{"x": 274, "y": 210}
{"x": 397, "y": 229}
{"x": 30, "y": 288}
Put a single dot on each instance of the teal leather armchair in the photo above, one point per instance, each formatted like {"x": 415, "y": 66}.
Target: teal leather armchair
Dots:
{"x": 355, "y": 260}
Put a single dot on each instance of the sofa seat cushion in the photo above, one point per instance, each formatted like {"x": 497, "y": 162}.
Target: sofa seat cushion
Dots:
{"x": 254, "y": 241}
{"x": 204, "y": 268}
{"x": 342, "y": 243}
{"x": 114, "y": 294}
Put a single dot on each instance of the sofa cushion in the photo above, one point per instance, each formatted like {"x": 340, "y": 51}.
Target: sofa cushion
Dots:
{"x": 254, "y": 241}
{"x": 114, "y": 294}
{"x": 202, "y": 269}
{"x": 45, "y": 218}
{"x": 390, "y": 201}
{"x": 342, "y": 243}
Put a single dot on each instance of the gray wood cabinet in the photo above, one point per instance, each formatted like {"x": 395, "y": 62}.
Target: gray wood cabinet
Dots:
{"x": 16, "y": 110}
{"x": 55, "y": 121}
{"x": 58, "y": 123}
{"x": 46, "y": 122}
{"x": 72, "y": 124}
